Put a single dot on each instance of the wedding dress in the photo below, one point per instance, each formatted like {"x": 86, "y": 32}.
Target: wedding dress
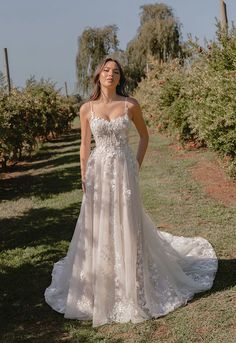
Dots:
{"x": 119, "y": 267}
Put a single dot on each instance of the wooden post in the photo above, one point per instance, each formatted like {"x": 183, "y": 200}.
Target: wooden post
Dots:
{"x": 7, "y": 71}
{"x": 66, "y": 89}
{"x": 223, "y": 16}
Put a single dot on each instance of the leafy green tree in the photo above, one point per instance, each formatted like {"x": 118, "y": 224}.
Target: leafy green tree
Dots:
{"x": 196, "y": 101}
{"x": 3, "y": 85}
{"x": 159, "y": 36}
{"x": 221, "y": 54}
{"x": 94, "y": 45}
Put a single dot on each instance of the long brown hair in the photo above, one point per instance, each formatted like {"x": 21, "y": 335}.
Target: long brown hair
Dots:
{"x": 120, "y": 88}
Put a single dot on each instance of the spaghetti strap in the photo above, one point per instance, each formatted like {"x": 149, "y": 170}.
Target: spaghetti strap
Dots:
{"x": 126, "y": 108}
{"x": 91, "y": 114}
{"x": 91, "y": 106}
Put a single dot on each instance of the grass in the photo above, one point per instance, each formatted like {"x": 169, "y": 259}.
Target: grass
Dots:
{"x": 40, "y": 204}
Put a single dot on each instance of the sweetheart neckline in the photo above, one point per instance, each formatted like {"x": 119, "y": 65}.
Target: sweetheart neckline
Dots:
{"x": 112, "y": 119}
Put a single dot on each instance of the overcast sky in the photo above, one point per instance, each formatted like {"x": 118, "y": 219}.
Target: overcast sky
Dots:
{"x": 42, "y": 35}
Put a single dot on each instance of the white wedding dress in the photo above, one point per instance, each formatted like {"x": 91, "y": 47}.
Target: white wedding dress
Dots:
{"x": 119, "y": 267}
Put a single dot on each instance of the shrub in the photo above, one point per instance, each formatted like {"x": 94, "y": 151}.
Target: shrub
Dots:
{"x": 35, "y": 113}
{"x": 196, "y": 101}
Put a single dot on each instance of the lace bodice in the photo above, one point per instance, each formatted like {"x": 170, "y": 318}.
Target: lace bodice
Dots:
{"x": 110, "y": 134}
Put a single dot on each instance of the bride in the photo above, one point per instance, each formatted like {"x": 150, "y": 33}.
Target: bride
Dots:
{"x": 119, "y": 267}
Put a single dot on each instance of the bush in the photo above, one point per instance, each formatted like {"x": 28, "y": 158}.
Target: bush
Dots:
{"x": 196, "y": 101}
{"x": 38, "y": 112}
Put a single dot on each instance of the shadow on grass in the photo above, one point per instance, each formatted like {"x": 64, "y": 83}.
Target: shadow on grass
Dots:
{"x": 56, "y": 174}
{"x": 224, "y": 280}
{"x": 44, "y": 185}
{"x": 49, "y": 149}
{"x": 226, "y": 276}
{"x": 43, "y": 160}
{"x": 39, "y": 226}
{"x": 70, "y": 137}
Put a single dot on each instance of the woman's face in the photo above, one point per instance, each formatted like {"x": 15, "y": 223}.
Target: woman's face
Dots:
{"x": 110, "y": 75}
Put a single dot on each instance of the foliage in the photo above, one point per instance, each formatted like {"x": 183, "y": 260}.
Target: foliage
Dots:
{"x": 36, "y": 112}
{"x": 158, "y": 36}
{"x": 3, "y": 84}
{"x": 94, "y": 45}
{"x": 196, "y": 102}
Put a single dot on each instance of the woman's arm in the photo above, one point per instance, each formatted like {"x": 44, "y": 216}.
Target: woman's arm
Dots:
{"x": 85, "y": 141}
{"x": 141, "y": 127}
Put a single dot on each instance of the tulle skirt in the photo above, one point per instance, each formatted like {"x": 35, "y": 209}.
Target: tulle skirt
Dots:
{"x": 119, "y": 266}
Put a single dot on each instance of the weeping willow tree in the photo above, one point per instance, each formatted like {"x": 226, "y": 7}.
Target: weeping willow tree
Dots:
{"x": 159, "y": 36}
{"x": 93, "y": 45}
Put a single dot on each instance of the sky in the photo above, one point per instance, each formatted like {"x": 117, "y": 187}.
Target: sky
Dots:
{"x": 42, "y": 36}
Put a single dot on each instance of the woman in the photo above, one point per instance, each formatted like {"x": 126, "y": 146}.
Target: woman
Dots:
{"x": 119, "y": 267}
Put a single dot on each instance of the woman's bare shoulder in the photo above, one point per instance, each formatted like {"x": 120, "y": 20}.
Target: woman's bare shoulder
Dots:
{"x": 132, "y": 102}
{"x": 85, "y": 109}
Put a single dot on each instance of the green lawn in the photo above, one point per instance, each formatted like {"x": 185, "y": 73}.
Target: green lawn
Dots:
{"x": 40, "y": 205}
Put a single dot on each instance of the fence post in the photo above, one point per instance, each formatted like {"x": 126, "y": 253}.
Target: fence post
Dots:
{"x": 7, "y": 71}
{"x": 66, "y": 89}
{"x": 223, "y": 16}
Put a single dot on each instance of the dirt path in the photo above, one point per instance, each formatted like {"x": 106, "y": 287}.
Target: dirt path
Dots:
{"x": 210, "y": 174}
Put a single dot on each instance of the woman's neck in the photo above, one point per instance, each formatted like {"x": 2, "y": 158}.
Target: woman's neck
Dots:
{"x": 108, "y": 95}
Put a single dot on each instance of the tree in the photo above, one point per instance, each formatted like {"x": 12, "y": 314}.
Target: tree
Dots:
{"x": 94, "y": 45}
{"x": 159, "y": 36}
{"x": 3, "y": 84}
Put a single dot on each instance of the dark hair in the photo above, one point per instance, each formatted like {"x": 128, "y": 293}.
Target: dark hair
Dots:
{"x": 120, "y": 88}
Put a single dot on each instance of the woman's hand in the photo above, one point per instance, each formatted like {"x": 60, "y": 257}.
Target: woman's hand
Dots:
{"x": 84, "y": 186}
{"x": 138, "y": 164}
